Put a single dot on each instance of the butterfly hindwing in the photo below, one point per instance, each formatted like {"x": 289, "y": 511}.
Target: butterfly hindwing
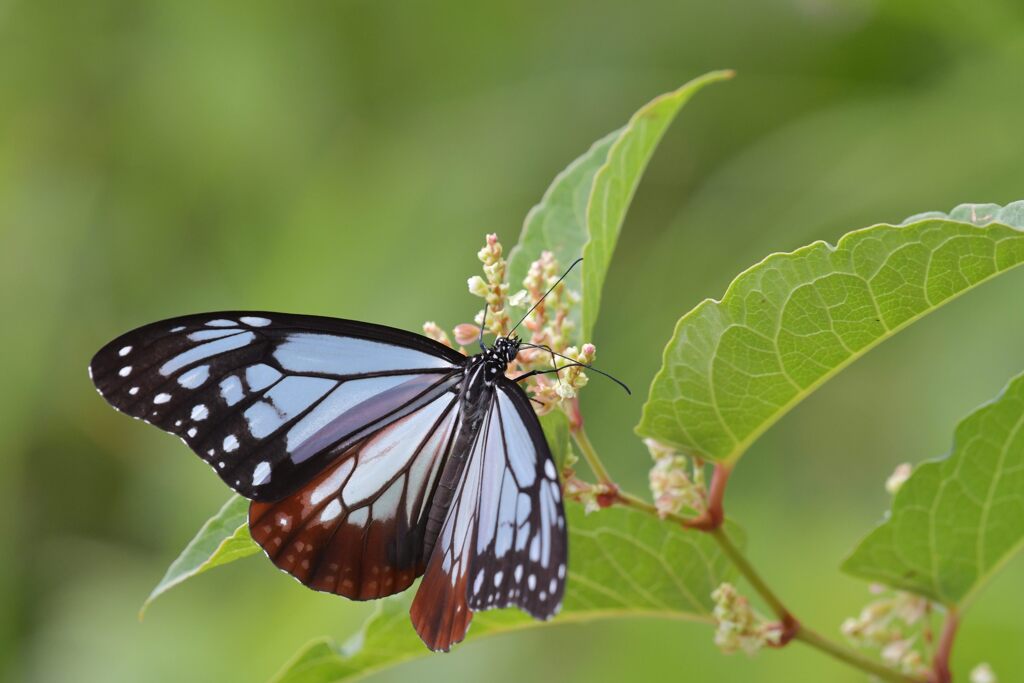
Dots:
{"x": 520, "y": 545}
{"x": 269, "y": 400}
{"x": 504, "y": 540}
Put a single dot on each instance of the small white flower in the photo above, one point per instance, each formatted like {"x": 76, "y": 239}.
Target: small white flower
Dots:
{"x": 520, "y": 298}
{"x": 658, "y": 450}
{"x": 739, "y": 627}
{"x": 478, "y": 286}
{"x": 894, "y": 652}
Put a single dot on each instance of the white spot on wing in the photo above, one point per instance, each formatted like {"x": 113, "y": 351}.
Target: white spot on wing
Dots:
{"x": 206, "y": 350}
{"x": 220, "y": 322}
{"x": 200, "y": 412}
{"x": 206, "y": 335}
{"x": 386, "y": 507}
{"x": 549, "y": 469}
{"x": 359, "y": 517}
{"x": 231, "y": 444}
{"x": 133, "y": 391}
{"x": 231, "y": 390}
{"x": 162, "y": 398}
{"x": 332, "y": 510}
{"x": 192, "y": 431}
{"x": 260, "y": 376}
{"x": 125, "y": 350}
{"x": 261, "y": 474}
{"x": 332, "y": 484}
{"x": 125, "y": 371}
{"x": 255, "y": 321}
{"x": 195, "y": 377}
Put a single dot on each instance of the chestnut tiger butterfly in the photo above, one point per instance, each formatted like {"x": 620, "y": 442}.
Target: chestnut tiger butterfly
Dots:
{"x": 371, "y": 455}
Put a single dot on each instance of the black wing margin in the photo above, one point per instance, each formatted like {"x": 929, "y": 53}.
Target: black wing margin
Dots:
{"x": 268, "y": 400}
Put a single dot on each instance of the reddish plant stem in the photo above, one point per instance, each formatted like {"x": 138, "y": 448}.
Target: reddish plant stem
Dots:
{"x": 941, "y": 672}
{"x": 713, "y": 517}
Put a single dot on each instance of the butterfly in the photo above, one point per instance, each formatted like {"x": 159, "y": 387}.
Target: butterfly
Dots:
{"x": 371, "y": 455}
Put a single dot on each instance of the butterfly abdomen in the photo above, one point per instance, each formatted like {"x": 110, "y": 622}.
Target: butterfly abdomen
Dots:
{"x": 474, "y": 406}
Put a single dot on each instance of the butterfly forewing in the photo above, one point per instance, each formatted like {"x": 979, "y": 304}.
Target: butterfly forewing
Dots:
{"x": 269, "y": 399}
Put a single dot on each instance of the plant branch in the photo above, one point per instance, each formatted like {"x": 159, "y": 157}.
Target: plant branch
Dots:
{"x": 579, "y": 435}
{"x": 940, "y": 663}
{"x": 629, "y": 500}
{"x": 744, "y": 567}
{"x": 852, "y": 657}
{"x": 711, "y": 523}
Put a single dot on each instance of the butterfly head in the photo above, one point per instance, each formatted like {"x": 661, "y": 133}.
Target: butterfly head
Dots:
{"x": 503, "y": 352}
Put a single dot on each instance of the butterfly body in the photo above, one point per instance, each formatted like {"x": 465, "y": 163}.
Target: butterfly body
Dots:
{"x": 372, "y": 455}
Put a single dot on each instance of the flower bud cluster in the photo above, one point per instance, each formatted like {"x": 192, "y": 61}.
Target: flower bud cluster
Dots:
{"x": 894, "y": 625}
{"x": 549, "y": 325}
{"x": 739, "y": 627}
{"x": 434, "y": 331}
{"x": 676, "y": 483}
{"x": 492, "y": 287}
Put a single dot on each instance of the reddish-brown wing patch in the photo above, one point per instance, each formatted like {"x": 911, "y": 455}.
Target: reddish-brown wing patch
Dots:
{"x": 439, "y": 612}
{"x": 357, "y": 528}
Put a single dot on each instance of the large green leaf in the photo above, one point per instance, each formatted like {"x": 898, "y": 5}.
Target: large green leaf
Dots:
{"x": 786, "y": 325}
{"x": 623, "y": 564}
{"x": 582, "y": 211}
{"x": 956, "y": 521}
{"x": 222, "y": 539}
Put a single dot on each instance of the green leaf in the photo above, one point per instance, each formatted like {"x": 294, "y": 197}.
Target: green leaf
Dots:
{"x": 786, "y": 325}
{"x": 556, "y": 431}
{"x": 623, "y": 564}
{"x": 956, "y": 521}
{"x": 582, "y": 211}
{"x": 222, "y": 539}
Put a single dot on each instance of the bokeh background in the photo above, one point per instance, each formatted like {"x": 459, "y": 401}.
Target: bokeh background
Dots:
{"x": 346, "y": 158}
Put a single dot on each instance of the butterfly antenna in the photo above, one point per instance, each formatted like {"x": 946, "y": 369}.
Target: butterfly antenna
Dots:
{"x": 551, "y": 289}
{"x": 577, "y": 363}
{"x": 483, "y": 326}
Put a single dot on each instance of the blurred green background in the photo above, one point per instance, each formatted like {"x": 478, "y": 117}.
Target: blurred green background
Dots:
{"x": 346, "y": 158}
